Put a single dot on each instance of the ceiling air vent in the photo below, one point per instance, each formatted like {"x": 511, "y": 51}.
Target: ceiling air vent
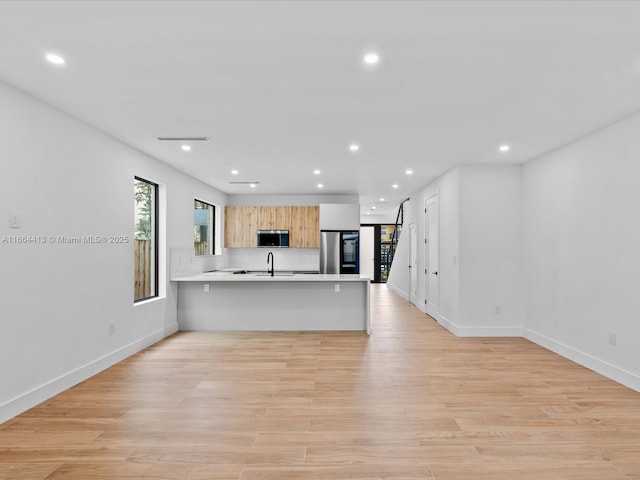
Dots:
{"x": 184, "y": 139}
{"x": 243, "y": 183}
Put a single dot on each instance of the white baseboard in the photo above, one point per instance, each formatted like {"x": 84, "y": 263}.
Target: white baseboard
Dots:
{"x": 487, "y": 331}
{"x": 395, "y": 289}
{"x": 617, "y": 374}
{"x": 458, "y": 331}
{"x": 39, "y": 394}
{"x": 470, "y": 332}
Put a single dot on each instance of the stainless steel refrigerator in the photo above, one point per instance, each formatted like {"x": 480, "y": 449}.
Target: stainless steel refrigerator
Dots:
{"x": 339, "y": 251}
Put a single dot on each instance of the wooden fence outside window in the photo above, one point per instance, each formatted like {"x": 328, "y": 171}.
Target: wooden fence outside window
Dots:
{"x": 142, "y": 277}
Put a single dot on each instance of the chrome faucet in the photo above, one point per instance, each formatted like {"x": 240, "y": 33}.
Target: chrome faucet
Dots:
{"x": 270, "y": 256}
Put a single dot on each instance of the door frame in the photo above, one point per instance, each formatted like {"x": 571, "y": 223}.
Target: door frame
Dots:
{"x": 413, "y": 263}
{"x": 432, "y": 199}
{"x": 376, "y": 250}
{"x": 374, "y": 267}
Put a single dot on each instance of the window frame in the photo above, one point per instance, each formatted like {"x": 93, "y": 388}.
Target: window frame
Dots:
{"x": 155, "y": 240}
{"x": 212, "y": 230}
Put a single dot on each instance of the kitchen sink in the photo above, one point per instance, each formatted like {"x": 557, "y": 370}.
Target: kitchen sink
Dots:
{"x": 277, "y": 274}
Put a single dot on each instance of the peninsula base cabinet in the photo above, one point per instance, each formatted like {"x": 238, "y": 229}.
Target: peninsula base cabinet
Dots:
{"x": 241, "y": 224}
{"x": 281, "y": 303}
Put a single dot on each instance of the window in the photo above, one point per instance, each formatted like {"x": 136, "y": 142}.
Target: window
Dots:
{"x": 204, "y": 217}
{"x": 145, "y": 244}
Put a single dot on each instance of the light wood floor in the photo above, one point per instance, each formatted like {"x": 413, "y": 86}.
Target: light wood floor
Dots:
{"x": 411, "y": 401}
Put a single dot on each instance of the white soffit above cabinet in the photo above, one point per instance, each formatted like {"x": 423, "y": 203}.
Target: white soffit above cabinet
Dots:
{"x": 339, "y": 216}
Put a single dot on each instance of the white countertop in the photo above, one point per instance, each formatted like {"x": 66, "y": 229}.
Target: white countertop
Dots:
{"x": 221, "y": 276}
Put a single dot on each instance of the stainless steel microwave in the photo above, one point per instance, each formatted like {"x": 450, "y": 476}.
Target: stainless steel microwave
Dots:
{"x": 273, "y": 238}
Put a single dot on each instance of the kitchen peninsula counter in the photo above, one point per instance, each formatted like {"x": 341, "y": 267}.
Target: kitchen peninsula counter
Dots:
{"x": 224, "y": 300}
{"x": 287, "y": 276}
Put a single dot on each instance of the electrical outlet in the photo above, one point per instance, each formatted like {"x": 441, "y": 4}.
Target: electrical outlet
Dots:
{"x": 206, "y": 287}
{"x": 112, "y": 329}
{"x": 14, "y": 220}
{"x": 336, "y": 287}
{"x": 497, "y": 310}
{"x": 612, "y": 338}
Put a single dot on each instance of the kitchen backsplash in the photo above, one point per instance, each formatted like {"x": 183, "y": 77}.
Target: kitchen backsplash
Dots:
{"x": 283, "y": 258}
{"x": 183, "y": 262}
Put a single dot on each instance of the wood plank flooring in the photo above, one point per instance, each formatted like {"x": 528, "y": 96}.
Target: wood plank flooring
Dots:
{"x": 409, "y": 402}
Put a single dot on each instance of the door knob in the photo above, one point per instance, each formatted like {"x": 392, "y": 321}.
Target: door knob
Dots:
{"x": 435, "y": 273}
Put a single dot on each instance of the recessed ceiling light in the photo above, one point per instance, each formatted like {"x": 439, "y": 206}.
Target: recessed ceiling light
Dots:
{"x": 371, "y": 58}
{"x": 354, "y": 147}
{"x": 252, "y": 185}
{"x": 373, "y": 208}
{"x": 409, "y": 172}
{"x": 395, "y": 185}
{"x": 504, "y": 148}
{"x": 381, "y": 199}
{"x": 316, "y": 172}
{"x": 320, "y": 185}
{"x": 186, "y": 148}
{"x": 55, "y": 59}
{"x": 234, "y": 172}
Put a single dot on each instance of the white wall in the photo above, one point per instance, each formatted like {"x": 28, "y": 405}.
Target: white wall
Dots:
{"x": 65, "y": 178}
{"x": 480, "y": 270}
{"x": 490, "y": 250}
{"x": 582, "y": 250}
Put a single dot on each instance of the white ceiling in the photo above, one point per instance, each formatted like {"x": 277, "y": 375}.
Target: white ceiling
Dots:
{"x": 280, "y": 89}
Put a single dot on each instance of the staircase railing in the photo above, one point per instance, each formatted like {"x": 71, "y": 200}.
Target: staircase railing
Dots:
{"x": 395, "y": 236}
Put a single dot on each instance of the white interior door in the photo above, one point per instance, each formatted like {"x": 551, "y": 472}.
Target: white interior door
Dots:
{"x": 413, "y": 264}
{"x": 367, "y": 251}
{"x": 432, "y": 253}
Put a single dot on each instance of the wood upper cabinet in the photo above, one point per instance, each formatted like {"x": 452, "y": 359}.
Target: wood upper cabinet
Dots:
{"x": 274, "y": 218}
{"x": 305, "y": 227}
{"x": 242, "y": 223}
